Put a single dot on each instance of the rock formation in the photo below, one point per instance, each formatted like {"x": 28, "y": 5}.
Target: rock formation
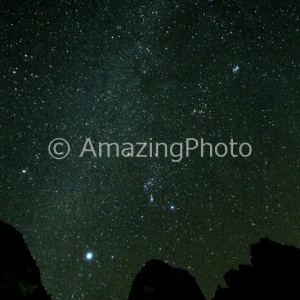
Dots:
{"x": 274, "y": 274}
{"x": 159, "y": 281}
{"x": 19, "y": 275}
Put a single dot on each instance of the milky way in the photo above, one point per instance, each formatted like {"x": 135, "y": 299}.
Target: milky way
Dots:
{"x": 131, "y": 71}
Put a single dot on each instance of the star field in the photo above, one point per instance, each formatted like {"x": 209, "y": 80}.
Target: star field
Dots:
{"x": 135, "y": 71}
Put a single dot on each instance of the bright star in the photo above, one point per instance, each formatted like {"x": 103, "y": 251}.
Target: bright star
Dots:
{"x": 235, "y": 69}
{"x": 151, "y": 198}
{"x": 89, "y": 256}
{"x": 172, "y": 207}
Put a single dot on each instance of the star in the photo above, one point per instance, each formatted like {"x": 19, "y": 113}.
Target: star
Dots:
{"x": 151, "y": 198}
{"x": 89, "y": 256}
{"x": 235, "y": 69}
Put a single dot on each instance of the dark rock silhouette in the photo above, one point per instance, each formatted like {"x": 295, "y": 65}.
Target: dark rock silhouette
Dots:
{"x": 19, "y": 275}
{"x": 159, "y": 281}
{"x": 274, "y": 274}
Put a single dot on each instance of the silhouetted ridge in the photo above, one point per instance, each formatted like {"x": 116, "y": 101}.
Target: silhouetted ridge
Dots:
{"x": 19, "y": 275}
{"x": 159, "y": 281}
{"x": 274, "y": 274}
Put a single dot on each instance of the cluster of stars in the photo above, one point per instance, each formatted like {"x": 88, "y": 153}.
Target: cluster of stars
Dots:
{"x": 167, "y": 70}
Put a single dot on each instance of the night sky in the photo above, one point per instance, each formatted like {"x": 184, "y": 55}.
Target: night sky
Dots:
{"x": 132, "y": 71}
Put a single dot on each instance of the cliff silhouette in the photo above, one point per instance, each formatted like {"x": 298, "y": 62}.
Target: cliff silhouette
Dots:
{"x": 19, "y": 275}
{"x": 157, "y": 280}
{"x": 273, "y": 274}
